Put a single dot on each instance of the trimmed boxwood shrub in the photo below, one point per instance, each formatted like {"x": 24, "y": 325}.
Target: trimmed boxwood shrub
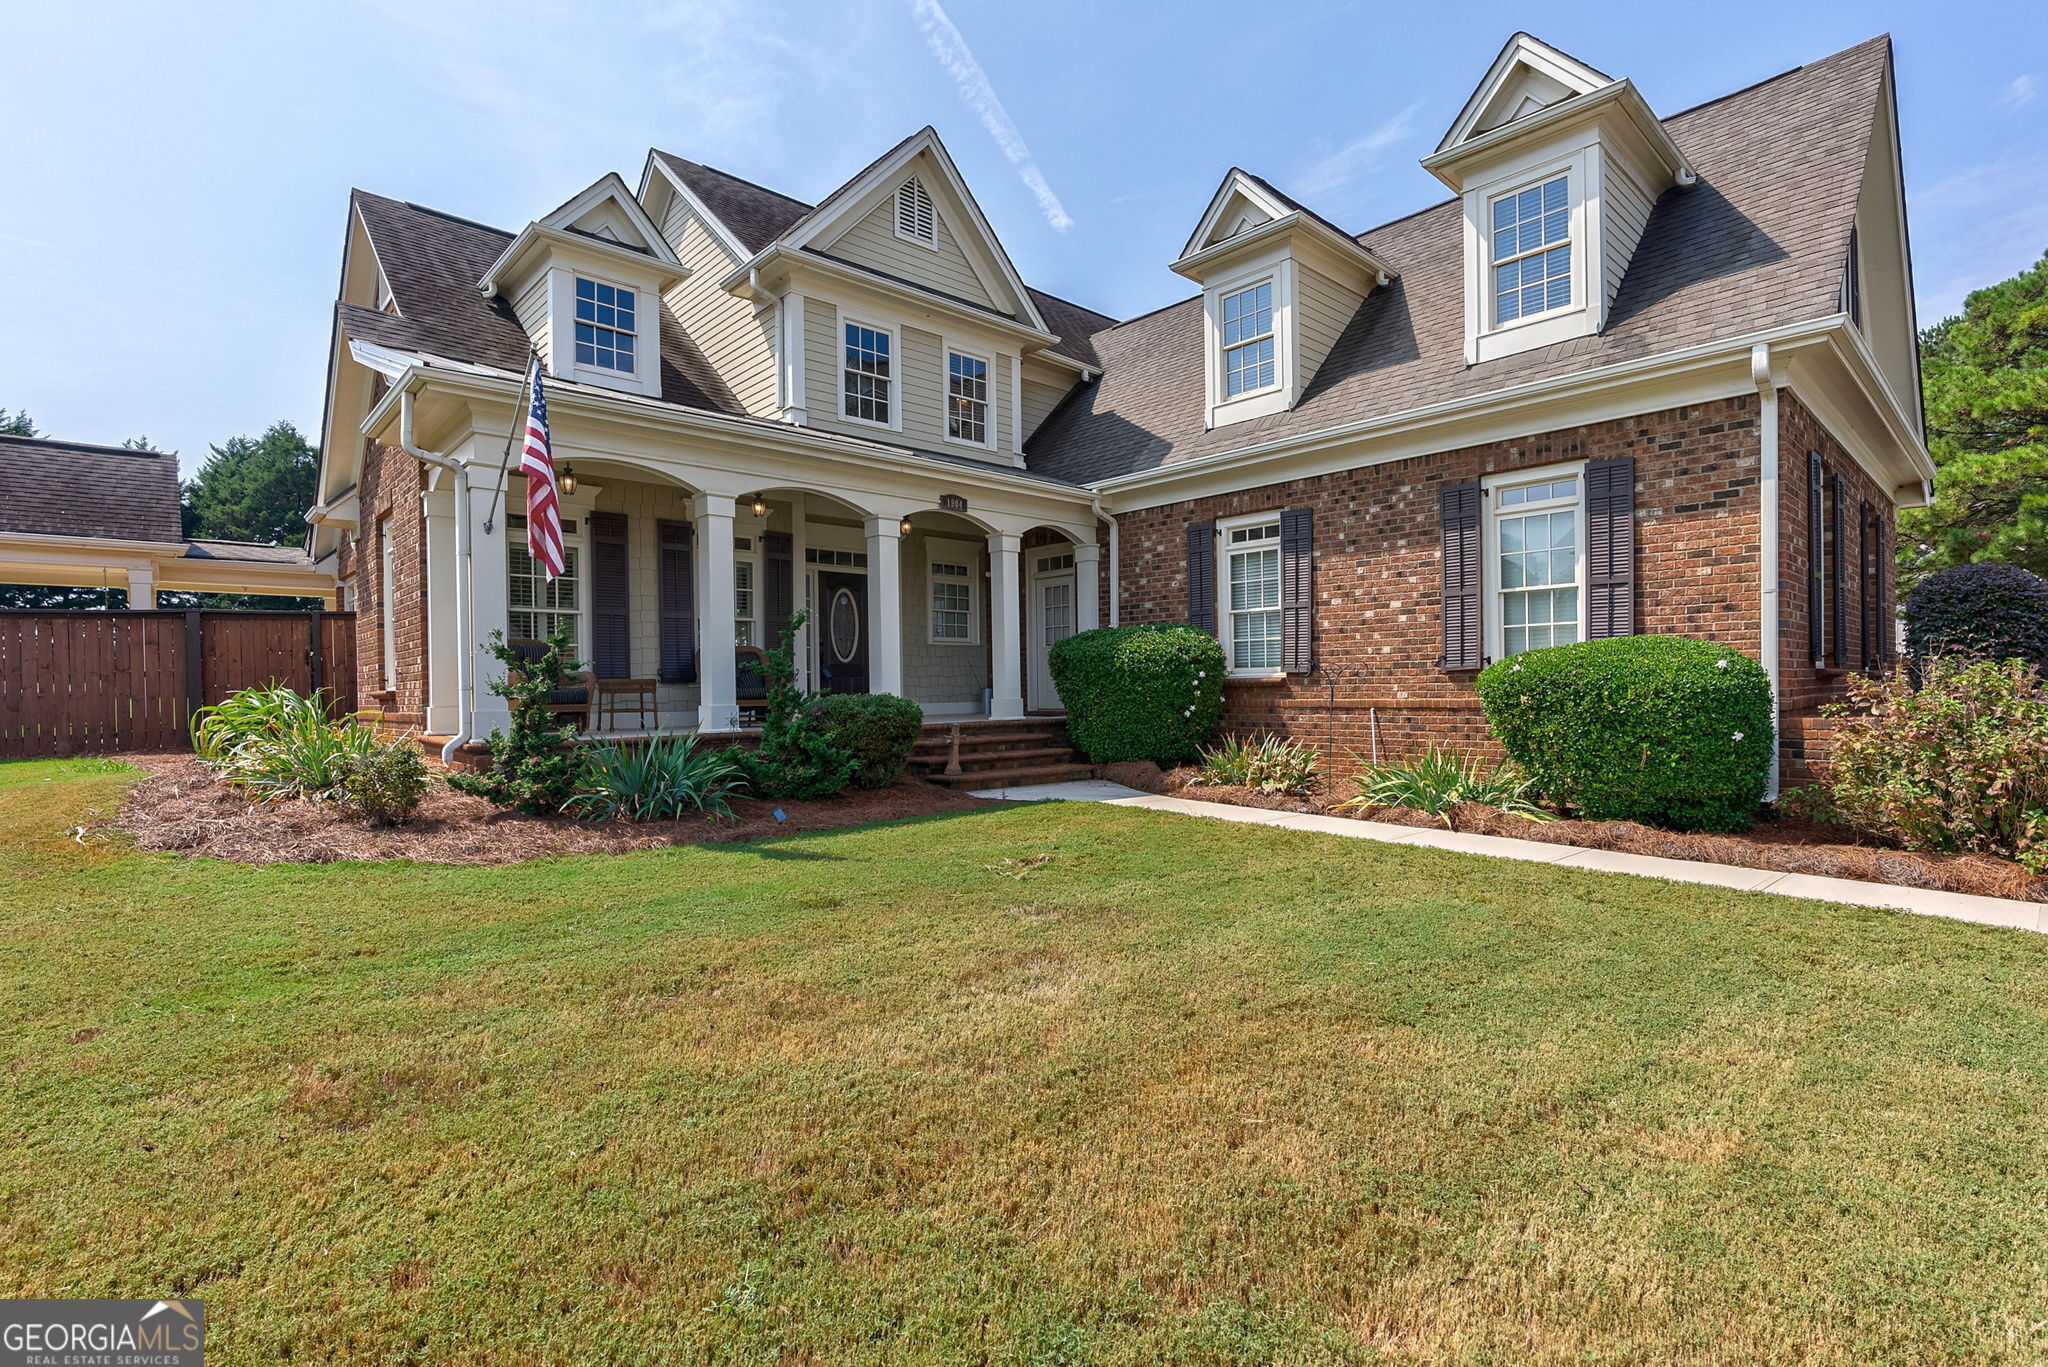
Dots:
{"x": 878, "y": 729}
{"x": 1665, "y": 730}
{"x": 1979, "y": 612}
{"x": 1141, "y": 692}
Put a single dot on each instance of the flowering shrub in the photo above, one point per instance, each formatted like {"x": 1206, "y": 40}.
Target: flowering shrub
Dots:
{"x": 1979, "y": 612}
{"x": 1664, "y": 730}
{"x": 1958, "y": 764}
{"x": 1264, "y": 764}
{"x": 1143, "y": 692}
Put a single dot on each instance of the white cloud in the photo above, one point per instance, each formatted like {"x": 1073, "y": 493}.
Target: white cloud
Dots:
{"x": 1361, "y": 156}
{"x": 958, "y": 60}
{"x": 2019, "y": 91}
{"x": 1972, "y": 229}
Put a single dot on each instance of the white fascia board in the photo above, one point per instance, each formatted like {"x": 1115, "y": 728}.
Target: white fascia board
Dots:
{"x": 1538, "y": 55}
{"x": 797, "y": 259}
{"x": 676, "y": 186}
{"x": 1621, "y": 94}
{"x": 665, "y": 268}
{"x": 385, "y": 361}
{"x": 611, "y": 187}
{"x": 1292, "y": 220}
{"x": 1235, "y": 181}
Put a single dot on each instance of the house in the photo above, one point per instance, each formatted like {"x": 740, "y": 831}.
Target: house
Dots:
{"x": 75, "y": 515}
{"x": 1640, "y": 373}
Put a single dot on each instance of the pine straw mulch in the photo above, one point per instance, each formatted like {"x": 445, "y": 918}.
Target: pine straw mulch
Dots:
{"x": 1783, "y": 844}
{"x": 181, "y": 805}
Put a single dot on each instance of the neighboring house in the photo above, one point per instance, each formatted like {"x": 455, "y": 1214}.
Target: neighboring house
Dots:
{"x": 74, "y": 515}
{"x": 1640, "y": 374}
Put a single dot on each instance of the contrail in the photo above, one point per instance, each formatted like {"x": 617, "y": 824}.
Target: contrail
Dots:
{"x": 958, "y": 59}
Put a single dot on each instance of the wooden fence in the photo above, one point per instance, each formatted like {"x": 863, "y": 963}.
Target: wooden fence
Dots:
{"x": 81, "y": 683}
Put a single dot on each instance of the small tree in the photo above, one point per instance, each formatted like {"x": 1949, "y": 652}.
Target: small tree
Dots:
{"x": 795, "y": 758}
{"x": 1984, "y": 611}
{"x": 535, "y": 766}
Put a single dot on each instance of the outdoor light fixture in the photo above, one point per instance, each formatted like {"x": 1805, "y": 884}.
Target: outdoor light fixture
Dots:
{"x": 905, "y": 527}
{"x": 567, "y": 479}
{"x": 760, "y": 506}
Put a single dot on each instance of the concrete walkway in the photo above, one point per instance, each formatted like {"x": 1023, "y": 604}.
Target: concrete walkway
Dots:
{"x": 1958, "y": 906}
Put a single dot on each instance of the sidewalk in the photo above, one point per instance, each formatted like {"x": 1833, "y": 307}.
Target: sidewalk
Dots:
{"x": 1957, "y": 906}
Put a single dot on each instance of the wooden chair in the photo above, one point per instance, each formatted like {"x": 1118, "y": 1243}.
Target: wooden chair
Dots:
{"x": 572, "y": 700}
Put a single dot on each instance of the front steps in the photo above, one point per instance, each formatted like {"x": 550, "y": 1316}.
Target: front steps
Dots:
{"x": 998, "y": 754}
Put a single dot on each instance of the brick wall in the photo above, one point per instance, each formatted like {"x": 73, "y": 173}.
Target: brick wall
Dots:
{"x": 1378, "y": 574}
{"x": 389, "y": 496}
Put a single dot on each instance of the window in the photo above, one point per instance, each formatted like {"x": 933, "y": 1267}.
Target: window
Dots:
{"x": 604, "y": 326}
{"x": 1532, "y": 251}
{"x": 853, "y": 560}
{"x": 1852, "y": 281}
{"x": 867, "y": 373}
{"x": 967, "y": 398}
{"x": 1248, "y": 340}
{"x": 538, "y": 606}
{"x": 743, "y": 595}
{"x": 916, "y": 219}
{"x": 1252, "y": 596}
{"x": 1539, "y": 557}
{"x": 952, "y": 599}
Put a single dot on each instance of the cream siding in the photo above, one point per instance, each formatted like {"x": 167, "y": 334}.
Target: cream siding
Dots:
{"x": 531, "y": 308}
{"x": 946, "y": 673}
{"x": 1040, "y": 398}
{"x": 1325, "y": 309}
{"x": 873, "y": 242}
{"x": 919, "y": 391}
{"x": 738, "y": 343}
{"x": 1626, "y": 206}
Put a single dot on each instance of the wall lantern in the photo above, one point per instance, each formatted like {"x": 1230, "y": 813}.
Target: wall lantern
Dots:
{"x": 566, "y": 481}
{"x": 759, "y": 506}
{"x": 904, "y": 526}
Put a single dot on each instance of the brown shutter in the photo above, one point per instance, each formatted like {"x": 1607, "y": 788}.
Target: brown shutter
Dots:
{"x": 676, "y": 590}
{"x": 1611, "y": 548}
{"x": 778, "y": 565}
{"x": 611, "y": 621}
{"x": 1458, "y": 518}
{"x": 1866, "y": 601}
{"x": 1202, "y": 576}
{"x": 1297, "y": 591}
{"x": 1816, "y": 556}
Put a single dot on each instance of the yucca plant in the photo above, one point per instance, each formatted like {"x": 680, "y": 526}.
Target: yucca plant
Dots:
{"x": 662, "y": 780}
{"x": 1264, "y": 764}
{"x": 1439, "y": 780}
{"x": 280, "y": 744}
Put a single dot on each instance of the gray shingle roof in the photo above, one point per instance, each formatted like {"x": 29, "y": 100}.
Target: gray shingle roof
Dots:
{"x": 1758, "y": 243}
{"x": 69, "y": 488}
{"x": 256, "y": 552}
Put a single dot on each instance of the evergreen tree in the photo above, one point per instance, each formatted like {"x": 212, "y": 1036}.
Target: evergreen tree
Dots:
{"x": 17, "y": 424}
{"x": 255, "y": 489}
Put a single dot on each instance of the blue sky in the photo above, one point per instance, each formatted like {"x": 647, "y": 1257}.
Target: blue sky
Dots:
{"x": 177, "y": 176}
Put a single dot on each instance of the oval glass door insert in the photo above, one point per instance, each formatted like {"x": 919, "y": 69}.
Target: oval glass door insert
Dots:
{"x": 845, "y": 626}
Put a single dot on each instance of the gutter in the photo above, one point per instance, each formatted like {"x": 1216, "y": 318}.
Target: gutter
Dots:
{"x": 465, "y": 702}
{"x": 1116, "y": 589}
{"x": 1768, "y": 576}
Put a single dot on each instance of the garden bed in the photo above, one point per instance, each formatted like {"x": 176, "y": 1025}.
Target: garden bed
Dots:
{"x": 1790, "y": 846}
{"x": 181, "y": 805}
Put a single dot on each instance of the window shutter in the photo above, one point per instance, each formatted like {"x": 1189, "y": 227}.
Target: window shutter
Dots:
{"x": 611, "y": 623}
{"x": 676, "y": 589}
{"x": 1297, "y": 591}
{"x": 1458, "y": 516}
{"x": 1866, "y": 617}
{"x": 778, "y": 566}
{"x": 1837, "y": 602}
{"x": 1816, "y": 554}
{"x": 1202, "y": 577}
{"x": 1887, "y": 628}
{"x": 1611, "y": 548}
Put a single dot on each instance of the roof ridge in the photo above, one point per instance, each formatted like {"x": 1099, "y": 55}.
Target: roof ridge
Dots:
{"x": 439, "y": 213}
{"x": 738, "y": 180}
{"x": 101, "y": 447}
{"x": 1771, "y": 80}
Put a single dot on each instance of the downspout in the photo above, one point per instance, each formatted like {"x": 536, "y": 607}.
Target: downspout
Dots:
{"x": 1116, "y": 589}
{"x": 1767, "y": 487}
{"x": 465, "y": 704}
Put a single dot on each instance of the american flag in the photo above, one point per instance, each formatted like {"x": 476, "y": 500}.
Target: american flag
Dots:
{"x": 543, "y": 509}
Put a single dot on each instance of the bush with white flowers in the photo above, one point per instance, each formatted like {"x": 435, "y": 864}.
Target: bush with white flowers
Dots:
{"x": 1141, "y": 692}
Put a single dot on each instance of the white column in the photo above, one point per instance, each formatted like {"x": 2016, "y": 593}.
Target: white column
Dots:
{"x": 790, "y": 338}
{"x": 717, "y": 681}
{"x": 799, "y": 575}
{"x": 885, "y": 605}
{"x": 1006, "y": 629}
{"x": 141, "y": 587}
{"x": 444, "y": 703}
{"x": 1087, "y": 586}
{"x": 490, "y": 608}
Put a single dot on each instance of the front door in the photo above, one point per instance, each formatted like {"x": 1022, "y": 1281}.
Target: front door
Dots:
{"x": 842, "y": 632}
{"x": 1053, "y": 619}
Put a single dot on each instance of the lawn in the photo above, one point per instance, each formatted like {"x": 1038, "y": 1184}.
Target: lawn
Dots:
{"x": 1052, "y": 1085}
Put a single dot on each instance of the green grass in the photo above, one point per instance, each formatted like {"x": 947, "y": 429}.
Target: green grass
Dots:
{"x": 1049, "y": 1085}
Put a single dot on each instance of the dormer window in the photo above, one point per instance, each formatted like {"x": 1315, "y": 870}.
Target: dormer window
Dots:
{"x": 605, "y": 326}
{"x": 1248, "y": 340}
{"x": 1532, "y": 251}
{"x": 916, "y": 219}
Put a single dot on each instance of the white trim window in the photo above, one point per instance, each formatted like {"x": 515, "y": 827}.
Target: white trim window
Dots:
{"x": 949, "y": 587}
{"x": 538, "y": 605}
{"x": 1537, "y": 562}
{"x": 869, "y": 373}
{"x": 1251, "y": 596}
{"x": 967, "y": 398}
{"x": 1247, "y": 318}
{"x": 746, "y": 575}
{"x": 917, "y": 219}
{"x": 606, "y": 325}
{"x": 1531, "y": 234}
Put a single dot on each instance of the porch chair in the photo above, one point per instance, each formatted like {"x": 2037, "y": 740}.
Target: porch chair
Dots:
{"x": 751, "y": 678}
{"x": 573, "y": 699}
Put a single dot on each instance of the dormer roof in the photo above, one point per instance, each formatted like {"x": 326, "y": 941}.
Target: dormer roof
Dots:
{"x": 603, "y": 219}
{"x": 1527, "y": 77}
{"x": 1247, "y": 213}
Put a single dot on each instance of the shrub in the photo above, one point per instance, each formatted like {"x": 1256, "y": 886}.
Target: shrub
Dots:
{"x": 795, "y": 758}
{"x": 1264, "y": 764}
{"x": 878, "y": 729}
{"x": 1659, "y": 729}
{"x": 662, "y": 780}
{"x": 534, "y": 765}
{"x": 386, "y": 784}
{"x": 1439, "y": 780}
{"x": 1140, "y": 692}
{"x": 1957, "y": 764}
{"x": 1979, "y": 612}
{"x": 279, "y": 744}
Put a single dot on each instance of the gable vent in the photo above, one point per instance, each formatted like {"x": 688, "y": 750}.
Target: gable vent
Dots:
{"x": 916, "y": 219}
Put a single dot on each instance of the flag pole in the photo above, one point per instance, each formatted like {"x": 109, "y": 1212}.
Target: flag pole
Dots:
{"x": 518, "y": 420}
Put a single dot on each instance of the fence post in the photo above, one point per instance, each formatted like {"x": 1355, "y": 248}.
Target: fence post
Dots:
{"x": 316, "y": 663}
{"x": 195, "y": 665}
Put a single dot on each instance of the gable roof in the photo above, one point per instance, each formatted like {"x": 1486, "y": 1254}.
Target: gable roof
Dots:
{"x": 1757, "y": 243}
{"x": 72, "y": 488}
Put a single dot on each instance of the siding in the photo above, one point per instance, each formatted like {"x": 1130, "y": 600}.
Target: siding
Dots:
{"x": 1325, "y": 308}
{"x": 873, "y": 242}
{"x": 1627, "y": 209}
{"x": 1040, "y": 398}
{"x": 531, "y": 307}
{"x": 739, "y": 345}
{"x": 920, "y": 387}
{"x": 941, "y": 673}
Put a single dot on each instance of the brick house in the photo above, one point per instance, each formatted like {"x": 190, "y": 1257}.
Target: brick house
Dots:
{"x": 1639, "y": 374}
